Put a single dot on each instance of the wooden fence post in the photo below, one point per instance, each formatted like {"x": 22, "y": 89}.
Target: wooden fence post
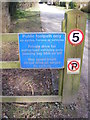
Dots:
{"x": 74, "y": 20}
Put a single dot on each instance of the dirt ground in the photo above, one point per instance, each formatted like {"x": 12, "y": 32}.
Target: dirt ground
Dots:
{"x": 19, "y": 82}
{"x": 40, "y": 110}
{"x": 10, "y": 51}
{"x": 45, "y": 110}
{"x": 39, "y": 83}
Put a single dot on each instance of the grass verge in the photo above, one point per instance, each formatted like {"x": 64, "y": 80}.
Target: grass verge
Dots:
{"x": 26, "y": 21}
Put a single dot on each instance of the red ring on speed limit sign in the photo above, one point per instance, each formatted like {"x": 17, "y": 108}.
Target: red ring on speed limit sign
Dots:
{"x": 75, "y": 37}
{"x": 71, "y": 64}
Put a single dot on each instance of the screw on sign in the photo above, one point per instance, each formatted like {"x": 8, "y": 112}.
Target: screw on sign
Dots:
{"x": 75, "y": 37}
{"x": 73, "y": 65}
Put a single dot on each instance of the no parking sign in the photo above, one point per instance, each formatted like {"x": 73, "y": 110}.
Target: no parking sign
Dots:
{"x": 73, "y": 65}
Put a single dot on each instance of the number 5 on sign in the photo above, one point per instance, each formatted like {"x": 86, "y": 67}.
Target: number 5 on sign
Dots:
{"x": 75, "y": 37}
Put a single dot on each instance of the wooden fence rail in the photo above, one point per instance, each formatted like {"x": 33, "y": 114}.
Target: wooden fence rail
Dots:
{"x": 68, "y": 83}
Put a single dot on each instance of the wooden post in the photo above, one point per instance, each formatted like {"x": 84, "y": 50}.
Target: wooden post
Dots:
{"x": 74, "y": 19}
{"x": 61, "y": 71}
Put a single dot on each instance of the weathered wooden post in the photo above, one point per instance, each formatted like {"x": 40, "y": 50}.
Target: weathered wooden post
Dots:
{"x": 74, "y": 25}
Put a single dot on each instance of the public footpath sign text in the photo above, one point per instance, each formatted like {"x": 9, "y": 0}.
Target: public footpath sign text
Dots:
{"x": 41, "y": 50}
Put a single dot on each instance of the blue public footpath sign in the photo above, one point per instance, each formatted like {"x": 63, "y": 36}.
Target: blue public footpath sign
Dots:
{"x": 41, "y": 50}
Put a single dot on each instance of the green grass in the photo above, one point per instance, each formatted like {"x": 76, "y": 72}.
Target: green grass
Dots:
{"x": 20, "y": 14}
{"x": 27, "y": 21}
{"x": 25, "y": 13}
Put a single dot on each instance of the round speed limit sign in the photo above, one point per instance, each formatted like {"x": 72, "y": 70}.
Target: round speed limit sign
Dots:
{"x": 75, "y": 37}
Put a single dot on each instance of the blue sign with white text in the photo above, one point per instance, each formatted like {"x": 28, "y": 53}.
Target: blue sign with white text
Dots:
{"x": 41, "y": 50}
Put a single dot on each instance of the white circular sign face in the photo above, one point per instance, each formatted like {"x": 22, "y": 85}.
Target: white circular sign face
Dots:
{"x": 75, "y": 37}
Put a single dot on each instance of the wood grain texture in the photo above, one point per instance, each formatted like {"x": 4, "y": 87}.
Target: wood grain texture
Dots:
{"x": 9, "y": 37}
{"x": 61, "y": 72}
{"x": 9, "y": 64}
{"x": 75, "y": 19}
{"x": 60, "y": 90}
{"x": 30, "y": 99}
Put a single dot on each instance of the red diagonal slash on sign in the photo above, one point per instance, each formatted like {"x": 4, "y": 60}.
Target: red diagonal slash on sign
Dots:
{"x": 73, "y": 64}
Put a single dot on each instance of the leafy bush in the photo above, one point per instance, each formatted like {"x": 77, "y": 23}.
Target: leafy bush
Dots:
{"x": 20, "y": 14}
{"x": 57, "y": 3}
{"x": 63, "y": 4}
{"x": 72, "y": 5}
